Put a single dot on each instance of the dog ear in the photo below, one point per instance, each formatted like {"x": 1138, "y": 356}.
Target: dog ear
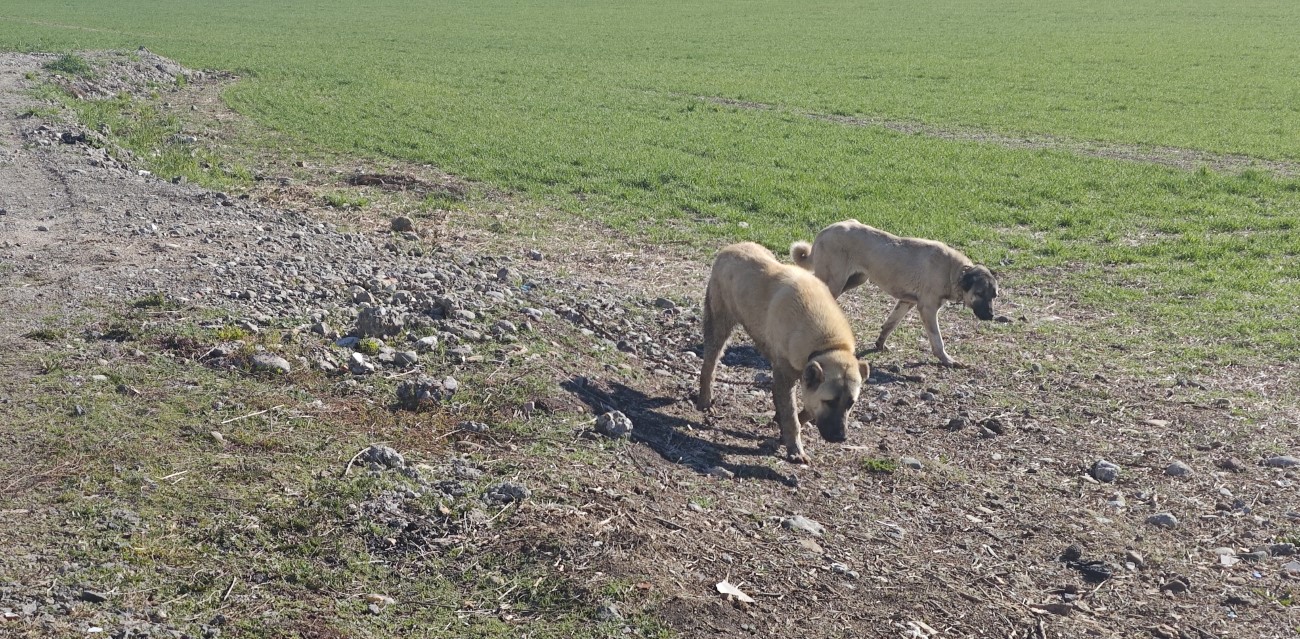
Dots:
{"x": 969, "y": 276}
{"x": 864, "y": 369}
{"x": 813, "y": 375}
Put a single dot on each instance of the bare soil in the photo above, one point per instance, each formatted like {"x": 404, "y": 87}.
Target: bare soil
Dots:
{"x": 969, "y": 544}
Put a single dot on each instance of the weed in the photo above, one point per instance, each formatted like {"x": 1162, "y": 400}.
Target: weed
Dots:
{"x": 879, "y": 465}
{"x": 70, "y": 64}
{"x": 230, "y": 333}
{"x": 369, "y": 346}
{"x": 345, "y": 200}
{"x": 46, "y": 334}
{"x": 154, "y": 301}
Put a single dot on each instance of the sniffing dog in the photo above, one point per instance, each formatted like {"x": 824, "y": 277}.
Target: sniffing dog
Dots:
{"x": 796, "y": 324}
{"x": 916, "y": 272}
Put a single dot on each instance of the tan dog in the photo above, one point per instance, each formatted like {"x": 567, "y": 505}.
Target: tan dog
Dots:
{"x": 916, "y": 272}
{"x": 797, "y": 326}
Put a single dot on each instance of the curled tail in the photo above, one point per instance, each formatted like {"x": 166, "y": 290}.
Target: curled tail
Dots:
{"x": 801, "y": 253}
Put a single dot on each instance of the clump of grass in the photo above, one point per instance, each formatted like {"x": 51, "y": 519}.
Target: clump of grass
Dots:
{"x": 231, "y": 334}
{"x": 70, "y": 64}
{"x": 873, "y": 465}
{"x": 154, "y": 300}
{"x": 369, "y": 346}
{"x": 46, "y": 334}
{"x": 345, "y": 200}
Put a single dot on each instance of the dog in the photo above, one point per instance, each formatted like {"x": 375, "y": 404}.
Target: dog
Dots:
{"x": 916, "y": 272}
{"x": 796, "y": 324}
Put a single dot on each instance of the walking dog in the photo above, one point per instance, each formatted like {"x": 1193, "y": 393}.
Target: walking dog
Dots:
{"x": 916, "y": 272}
{"x": 797, "y": 325}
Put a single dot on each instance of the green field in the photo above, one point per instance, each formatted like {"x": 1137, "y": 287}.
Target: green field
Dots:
{"x": 595, "y": 107}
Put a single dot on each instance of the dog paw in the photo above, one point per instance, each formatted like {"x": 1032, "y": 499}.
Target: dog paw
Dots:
{"x": 800, "y": 458}
{"x": 881, "y": 347}
{"x": 952, "y": 363}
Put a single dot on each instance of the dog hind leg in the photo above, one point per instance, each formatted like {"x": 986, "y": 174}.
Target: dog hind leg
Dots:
{"x": 717, "y": 330}
{"x": 895, "y": 316}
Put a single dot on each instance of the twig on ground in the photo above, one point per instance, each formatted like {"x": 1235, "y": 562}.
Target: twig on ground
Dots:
{"x": 235, "y": 419}
{"x": 353, "y": 461}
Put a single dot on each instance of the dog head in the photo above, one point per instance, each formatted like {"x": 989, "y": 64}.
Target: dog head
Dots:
{"x": 831, "y": 382}
{"x": 979, "y": 288}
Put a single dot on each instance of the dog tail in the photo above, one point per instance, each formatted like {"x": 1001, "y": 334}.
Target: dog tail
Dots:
{"x": 801, "y": 253}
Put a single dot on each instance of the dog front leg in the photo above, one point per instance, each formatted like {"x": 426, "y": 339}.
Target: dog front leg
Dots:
{"x": 895, "y": 316}
{"x": 930, "y": 317}
{"x": 783, "y": 395}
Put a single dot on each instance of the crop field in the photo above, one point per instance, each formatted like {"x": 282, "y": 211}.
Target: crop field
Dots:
{"x": 1131, "y": 171}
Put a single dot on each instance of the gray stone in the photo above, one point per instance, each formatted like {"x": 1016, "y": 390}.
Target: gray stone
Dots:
{"x": 1163, "y": 520}
{"x": 321, "y": 328}
{"x": 1178, "y": 469}
{"x": 421, "y": 393}
{"x": 1104, "y": 471}
{"x": 1282, "y": 461}
{"x": 358, "y": 364}
{"x": 93, "y": 596}
{"x": 608, "y": 611}
{"x": 450, "y": 384}
{"x": 270, "y": 363}
{"x": 800, "y": 523}
{"x": 1281, "y": 550}
{"x": 426, "y": 344}
{"x": 534, "y": 254}
{"x": 911, "y": 462}
{"x": 402, "y": 224}
{"x": 348, "y": 342}
{"x": 665, "y": 303}
{"x": 614, "y": 424}
{"x": 406, "y": 358}
{"x": 508, "y": 492}
{"x": 383, "y": 456}
{"x": 378, "y": 321}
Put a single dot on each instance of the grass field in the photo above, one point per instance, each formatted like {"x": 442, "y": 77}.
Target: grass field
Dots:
{"x": 596, "y": 107}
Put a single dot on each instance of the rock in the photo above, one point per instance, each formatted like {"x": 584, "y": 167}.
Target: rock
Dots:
{"x": 1073, "y": 552}
{"x": 93, "y": 596}
{"x": 911, "y": 462}
{"x": 927, "y": 396}
{"x": 1176, "y": 585}
{"x": 799, "y": 523}
{"x": 719, "y": 471}
{"x": 995, "y": 425}
{"x": 383, "y": 457}
{"x": 665, "y": 303}
{"x": 426, "y": 344}
{"x": 1232, "y": 464}
{"x": 1094, "y": 571}
{"x": 402, "y": 224}
{"x": 450, "y": 384}
{"x": 321, "y": 328}
{"x": 508, "y": 492}
{"x": 608, "y": 611}
{"x": 406, "y": 359}
{"x": 843, "y": 569}
{"x": 348, "y": 342}
{"x": 358, "y": 365}
{"x": 957, "y": 423}
{"x": 378, "y": 321}
{"x": 1292, "y": 568}
{"x": 1281, "y": 550}
{"x": 473, "y": 427}
{"x": 421, "y": 393}
{"x": 267, "y": 362}
{"x": 1282, "y": 461}
{"x": 534, "y": 254}
{"x": 1178, "y": 469}
{"x": 614, "y": 424}
{"x": 217, "y": 437}
{"x": 1104, "y": 471}
{"x": 1134, "y": 557}
{"x": 1163, "y": 520}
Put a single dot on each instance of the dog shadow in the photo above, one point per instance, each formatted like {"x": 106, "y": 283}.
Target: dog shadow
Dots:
{"x": 671, "y": 436}
{"x": 738, "y": 356}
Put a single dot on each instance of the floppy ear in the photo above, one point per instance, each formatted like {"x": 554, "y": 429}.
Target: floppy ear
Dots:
{"x": 969, "y": 275}
{"x": 864, "y": 369}
{"x": 813, "y": 375}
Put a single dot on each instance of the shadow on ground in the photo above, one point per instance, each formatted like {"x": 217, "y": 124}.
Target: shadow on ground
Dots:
{"x": 675, "y": 438}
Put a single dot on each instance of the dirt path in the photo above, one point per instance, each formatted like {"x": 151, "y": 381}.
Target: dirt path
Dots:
{"x": 1187, "y": 159}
